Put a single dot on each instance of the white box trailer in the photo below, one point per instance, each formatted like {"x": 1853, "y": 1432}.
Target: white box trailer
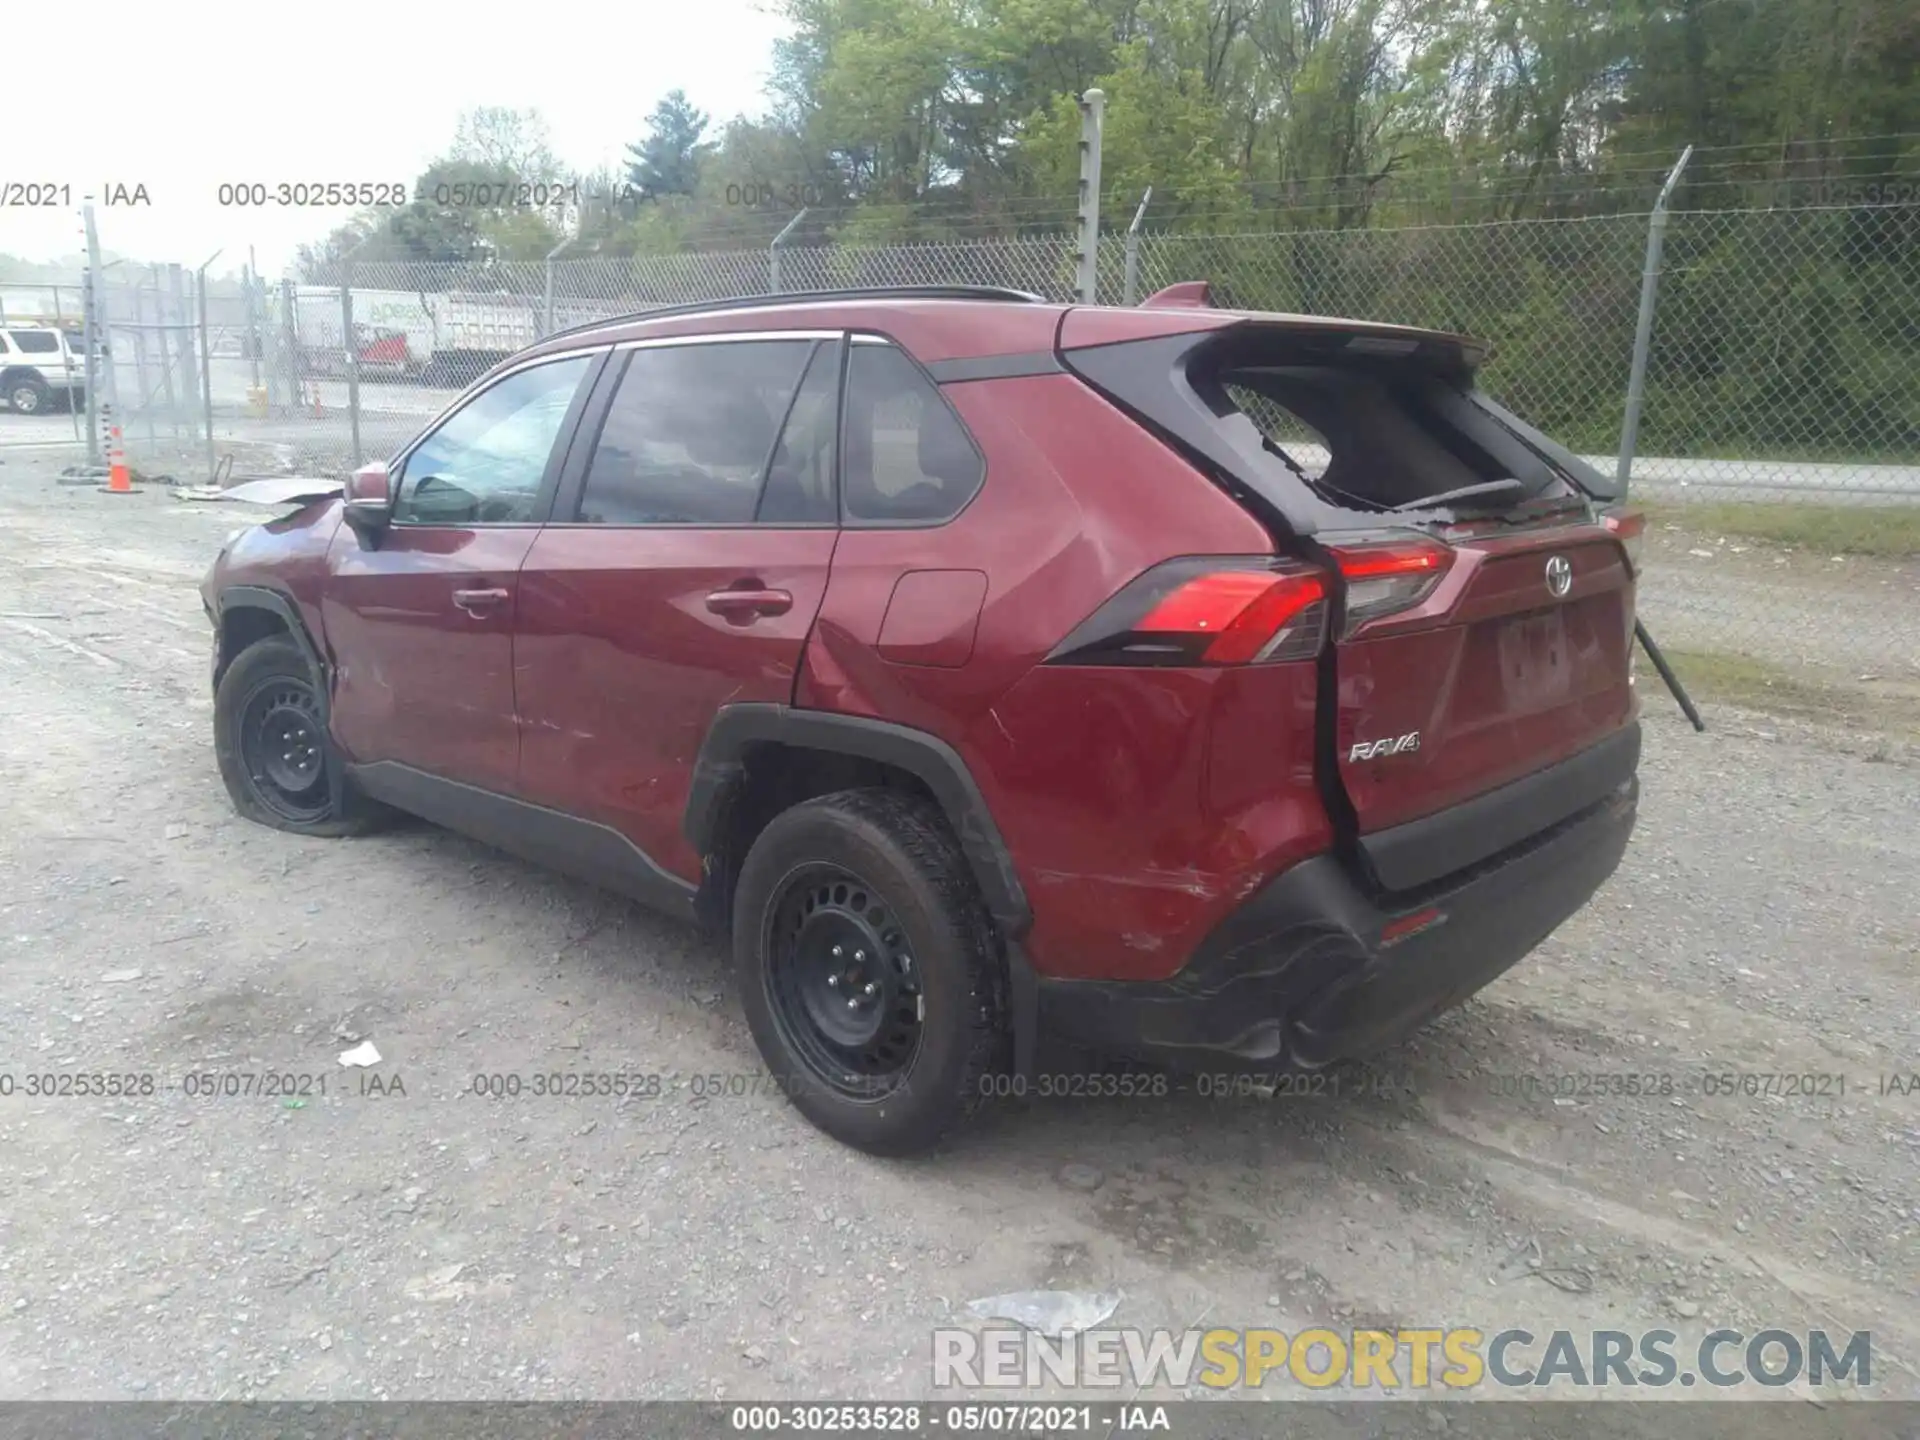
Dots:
{"x": 444, "y": 338}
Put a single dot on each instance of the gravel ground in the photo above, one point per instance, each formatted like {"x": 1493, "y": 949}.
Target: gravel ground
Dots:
{"x": 438, "y": 1244}
{"x": 1849, "y": 618}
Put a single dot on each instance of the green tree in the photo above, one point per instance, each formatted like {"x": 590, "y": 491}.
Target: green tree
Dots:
{"x": 667, "y": 161}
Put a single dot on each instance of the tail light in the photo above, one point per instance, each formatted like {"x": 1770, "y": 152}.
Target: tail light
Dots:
{"x": 1629, "y": 527}
{"x": 1206, "y": 610}
{"x": 1388, "y": 574}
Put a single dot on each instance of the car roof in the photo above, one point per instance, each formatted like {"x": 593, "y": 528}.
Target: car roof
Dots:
{"x": 938, "y": 323}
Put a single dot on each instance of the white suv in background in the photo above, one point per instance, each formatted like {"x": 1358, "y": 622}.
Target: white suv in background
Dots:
{"x": 38, "y": 367}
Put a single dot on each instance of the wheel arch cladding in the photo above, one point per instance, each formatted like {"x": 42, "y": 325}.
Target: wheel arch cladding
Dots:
{"x": 250, "y": 613}
{"x": 721, "y": 765}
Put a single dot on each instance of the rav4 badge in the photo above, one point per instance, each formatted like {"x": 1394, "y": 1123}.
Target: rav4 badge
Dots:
{"x": 1376, "y": 749}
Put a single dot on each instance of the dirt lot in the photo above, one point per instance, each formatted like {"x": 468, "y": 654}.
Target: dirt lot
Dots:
{"x": 436, "y": 1243}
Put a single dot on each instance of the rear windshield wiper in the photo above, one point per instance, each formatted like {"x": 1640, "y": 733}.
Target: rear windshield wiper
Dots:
{"x": 1508, "y": 489}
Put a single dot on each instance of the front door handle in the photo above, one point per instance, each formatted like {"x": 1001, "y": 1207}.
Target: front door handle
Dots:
{"x": 744, "y": 604}
{"x": 478, "y": 602}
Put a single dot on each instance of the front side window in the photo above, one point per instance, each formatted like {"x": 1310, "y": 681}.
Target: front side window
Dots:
{"x": 908, "y": 459}
{"x": 485, "y": 463}
{"x": 36, "y": 342}
{"x": 690, "y": 433}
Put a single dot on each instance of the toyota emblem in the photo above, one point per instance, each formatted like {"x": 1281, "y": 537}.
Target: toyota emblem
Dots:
{"x": 1559, "y": 576}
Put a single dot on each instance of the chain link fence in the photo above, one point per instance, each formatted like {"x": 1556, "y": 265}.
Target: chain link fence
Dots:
{"x": 1782, "y": 383}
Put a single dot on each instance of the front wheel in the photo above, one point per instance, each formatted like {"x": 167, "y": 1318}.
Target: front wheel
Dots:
{"x": 868, "y": 969}
{"x": 270, "y": 738}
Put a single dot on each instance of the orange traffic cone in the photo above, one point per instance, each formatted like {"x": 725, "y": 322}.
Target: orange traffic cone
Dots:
{"x": 119, "y": 479}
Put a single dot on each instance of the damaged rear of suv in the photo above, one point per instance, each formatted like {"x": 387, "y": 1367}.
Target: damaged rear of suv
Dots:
{"x": 1465, "y": 604}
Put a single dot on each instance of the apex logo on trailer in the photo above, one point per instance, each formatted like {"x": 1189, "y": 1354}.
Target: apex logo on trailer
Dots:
{"x": 1378, "y": 749}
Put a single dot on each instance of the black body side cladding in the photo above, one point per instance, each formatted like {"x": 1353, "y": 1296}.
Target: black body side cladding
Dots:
{"x": 258, "y": 597}
{"x": 931, "y": 760}
{"x": 1421, "y": 851}
{"x": 590, "y": 851}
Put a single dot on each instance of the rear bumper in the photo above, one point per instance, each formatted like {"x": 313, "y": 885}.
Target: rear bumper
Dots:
{"x": 1299, "y": 976}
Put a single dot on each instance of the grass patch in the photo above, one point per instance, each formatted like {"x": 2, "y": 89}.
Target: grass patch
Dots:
{"x": 1716, "y": 676}
{"x": 1886, "y": 531}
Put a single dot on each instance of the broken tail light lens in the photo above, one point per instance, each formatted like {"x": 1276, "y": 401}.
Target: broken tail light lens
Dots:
{"x": 1388, "y": 574}
{"x": 1629, "y": 527}
{"x": 1206, "y": 610}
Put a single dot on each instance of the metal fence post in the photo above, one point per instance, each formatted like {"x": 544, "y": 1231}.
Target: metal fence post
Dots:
{"x": 547, "y": 318}
{"x": 181, "y": 350}
{"x": 290, "y": 345}
{"x": 206, "y": 364}
{"x": 1092, "y": 108}
{"x": 1643, "y": 329}
{"x": 140, "y": 379}
{"x": 353, "y": 353}
{"x": 60, "y": 319}
{"x": 1130, "y": 289}
{"x": 256, "y": 343}
{"x": 102, "y": 411}
{"x": 775, "y": 285}
{"x": 165, "y": 314}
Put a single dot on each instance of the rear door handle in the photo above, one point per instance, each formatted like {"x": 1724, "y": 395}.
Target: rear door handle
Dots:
{"x": 744, "y": 604}
{"x": 477, "y": 602}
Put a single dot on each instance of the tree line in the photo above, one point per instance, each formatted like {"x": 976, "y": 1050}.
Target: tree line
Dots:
{"x": 891, "y": 120}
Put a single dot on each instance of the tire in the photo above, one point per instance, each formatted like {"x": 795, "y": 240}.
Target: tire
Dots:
{"x": 267, "y": 693}
{"x": 884, "y": 866}
{"x": 29, "y": 395}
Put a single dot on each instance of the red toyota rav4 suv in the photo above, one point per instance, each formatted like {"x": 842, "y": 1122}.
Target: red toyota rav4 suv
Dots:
{"x": 1206, "y": 686}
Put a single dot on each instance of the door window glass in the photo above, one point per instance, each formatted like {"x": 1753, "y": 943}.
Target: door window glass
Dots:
{"x": 799, "y": 483}
{"x": 484, "y": 465}
{"x": 689, "y": 433}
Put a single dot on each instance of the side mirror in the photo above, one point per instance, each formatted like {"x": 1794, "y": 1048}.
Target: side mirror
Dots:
{"x": 369, "y": 499}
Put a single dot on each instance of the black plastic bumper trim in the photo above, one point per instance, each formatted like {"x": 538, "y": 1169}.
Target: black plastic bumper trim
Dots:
{"x": 1422, "y": 851}
{"x": 1297, "y": 977}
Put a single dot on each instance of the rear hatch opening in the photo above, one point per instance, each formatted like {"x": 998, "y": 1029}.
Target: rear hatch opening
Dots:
{"x": 1481, "y": 602}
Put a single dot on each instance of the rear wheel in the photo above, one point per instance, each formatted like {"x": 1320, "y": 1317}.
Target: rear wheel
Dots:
{"x": 868, "y": 969}
{"x": 28, "y": 395}
{"x": 270, "y": 738}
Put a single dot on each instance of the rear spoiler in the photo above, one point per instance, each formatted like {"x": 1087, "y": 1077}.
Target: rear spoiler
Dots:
{"x": 1185, "y": 295}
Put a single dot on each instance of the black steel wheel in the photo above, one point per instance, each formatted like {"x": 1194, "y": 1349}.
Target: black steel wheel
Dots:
{"x": 283, "y": 748}
{"x": 841, "y": 982}
{"x": 270, "y": 738}
{"x": 871, "y": 976}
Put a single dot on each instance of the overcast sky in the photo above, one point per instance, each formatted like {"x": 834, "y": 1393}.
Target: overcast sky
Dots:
{"x": 180, "y": 98}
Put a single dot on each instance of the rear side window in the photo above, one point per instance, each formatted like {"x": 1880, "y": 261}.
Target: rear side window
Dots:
{"x": 36, "y": 342}
{"x": 690, "y": 432}
{"x": 907, "y": 458}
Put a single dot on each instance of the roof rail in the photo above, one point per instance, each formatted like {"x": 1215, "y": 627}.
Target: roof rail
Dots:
{"x": 801, "y": 297}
